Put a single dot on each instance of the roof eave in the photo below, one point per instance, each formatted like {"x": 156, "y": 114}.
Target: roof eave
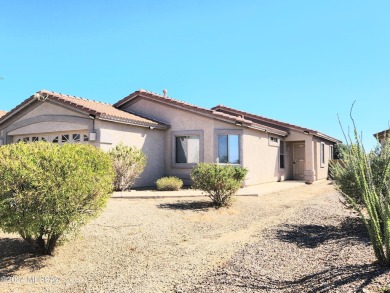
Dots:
{"x": 268, "y": 130}
{"x": 279, "y": 123}
{"x": 176, "y": 104}
{"x": 327, "y": 137}
{"x": 17, "y": 109}
{"x": 132, "y": 122}
{"x": 126, "y": 99}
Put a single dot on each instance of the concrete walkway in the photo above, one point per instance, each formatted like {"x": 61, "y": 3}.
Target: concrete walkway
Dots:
{"x": 253, "y": 190}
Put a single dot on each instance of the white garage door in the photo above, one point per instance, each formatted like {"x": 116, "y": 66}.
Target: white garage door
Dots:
{"x": 60, "y": 138}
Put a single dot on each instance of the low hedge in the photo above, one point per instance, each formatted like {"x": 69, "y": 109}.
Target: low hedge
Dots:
{"x": 171, "y": 183}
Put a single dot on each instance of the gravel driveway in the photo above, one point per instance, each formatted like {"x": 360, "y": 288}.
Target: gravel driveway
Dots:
{"x": 299, "y": 240}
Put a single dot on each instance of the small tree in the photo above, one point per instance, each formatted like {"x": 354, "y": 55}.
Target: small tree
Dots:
{"x": 368, "y": 192}
{"x": 221, "y": 182}
{"x": 48, "y": 191}
{"x": 129, "y": 163}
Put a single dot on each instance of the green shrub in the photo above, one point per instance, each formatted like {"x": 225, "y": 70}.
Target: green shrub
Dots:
{"x": 342, "y": 172}
{"x": 129, "y": 163}
{"x": 169, "y": 183}
{"x": 48, "y": 191}
{"x": 221, "y": 182}
{"x": 368, "y": 191}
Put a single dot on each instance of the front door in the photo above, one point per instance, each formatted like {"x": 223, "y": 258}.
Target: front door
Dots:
{"x": 299, "y": 161}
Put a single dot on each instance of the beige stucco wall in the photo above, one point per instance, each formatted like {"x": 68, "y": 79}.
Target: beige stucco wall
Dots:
{"x": 151, "y": 142}
{"x": 45, "y": 127}
{"x": 322, "y": 169}
{"x": 261, "y": 158}
{"x": 180, "y": 122}
{"x": 44, "y": 117}
{"x": 49, "y": 108}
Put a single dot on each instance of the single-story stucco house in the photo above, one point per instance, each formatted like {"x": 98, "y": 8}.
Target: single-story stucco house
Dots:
{"x": 381, "y": 136}
{"x": 174, "y": 135}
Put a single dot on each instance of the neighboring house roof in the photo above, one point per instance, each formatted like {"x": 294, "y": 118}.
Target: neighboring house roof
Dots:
{"x": 272, "y": 123}
{"x": 98, "y": 109}
{"x": 382, "y": 134}
{"x": 202, "y": 111}
{"x": 2, "y": 113}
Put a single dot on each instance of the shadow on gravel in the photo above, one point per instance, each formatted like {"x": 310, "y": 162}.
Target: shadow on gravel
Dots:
{"x": 311, "y": 236}
{"x": 16, "y": 254}
{"x": 323, "y": 281}
{"x": 187, "y": 205}
{"x": 336, "y": 277}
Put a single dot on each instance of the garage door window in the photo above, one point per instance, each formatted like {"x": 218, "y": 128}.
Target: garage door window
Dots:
{"x": 58, "y": 138}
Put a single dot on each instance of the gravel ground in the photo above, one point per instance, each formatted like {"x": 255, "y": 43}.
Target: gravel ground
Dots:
{"x": 322, "y": 248}
{"x": 300, "y": 240}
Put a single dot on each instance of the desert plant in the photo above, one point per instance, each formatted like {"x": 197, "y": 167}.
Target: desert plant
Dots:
{"x": 48, "y": 191}
{"x": 342, "y": 172}
{"x": 129, "y": 163}
{"x": 220, "y": 182}
{"x": 169, "y": 183}
{"x": 371, "y": 183}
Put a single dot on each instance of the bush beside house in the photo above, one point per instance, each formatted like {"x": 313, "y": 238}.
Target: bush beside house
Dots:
{"x": 220, "y": 182}
{"x": 129, "y": 163}
{"x": 48, "y": 191}
{"x": 171, "y": 183}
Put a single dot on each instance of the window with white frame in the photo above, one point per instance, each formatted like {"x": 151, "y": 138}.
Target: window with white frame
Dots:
{"x": 331, "y": 152}
{"x": 281, "y": 155}
{"x": 322, "y": 154}
{"x": 229, "y": 149}
{"x": 187, "y": 149}
{"x": 273, "y": 141}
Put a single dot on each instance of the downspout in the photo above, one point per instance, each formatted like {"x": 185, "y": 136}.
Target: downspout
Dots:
{"x": 92, "y": 134}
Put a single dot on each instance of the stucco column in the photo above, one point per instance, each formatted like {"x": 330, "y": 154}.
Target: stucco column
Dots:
{"x": 310, "y": 173}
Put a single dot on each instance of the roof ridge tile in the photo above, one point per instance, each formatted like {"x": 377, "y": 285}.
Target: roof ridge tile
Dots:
{"x": 276, "y": 123}
{"x": 100, "y": 109}
{"x": 73, "y": 97}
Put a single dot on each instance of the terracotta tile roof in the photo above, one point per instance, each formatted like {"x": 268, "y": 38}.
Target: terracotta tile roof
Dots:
{"x": 99, "y": 109}
{"x": 2, "y": 113}
{"x": 200, "y": 110}
{"x": 272, "y": 122}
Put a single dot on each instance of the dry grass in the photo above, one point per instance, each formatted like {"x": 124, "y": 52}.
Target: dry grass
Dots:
{"x": 163, "y": 245}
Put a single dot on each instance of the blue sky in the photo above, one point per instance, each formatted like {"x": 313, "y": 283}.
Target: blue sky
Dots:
{"x": 301, "y": 62}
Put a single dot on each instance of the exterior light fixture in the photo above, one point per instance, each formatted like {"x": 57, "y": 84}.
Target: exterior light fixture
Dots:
{"x": 92, "y": 136}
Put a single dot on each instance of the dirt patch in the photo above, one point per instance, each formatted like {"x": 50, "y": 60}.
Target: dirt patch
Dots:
{"x": 163, "y": 245}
